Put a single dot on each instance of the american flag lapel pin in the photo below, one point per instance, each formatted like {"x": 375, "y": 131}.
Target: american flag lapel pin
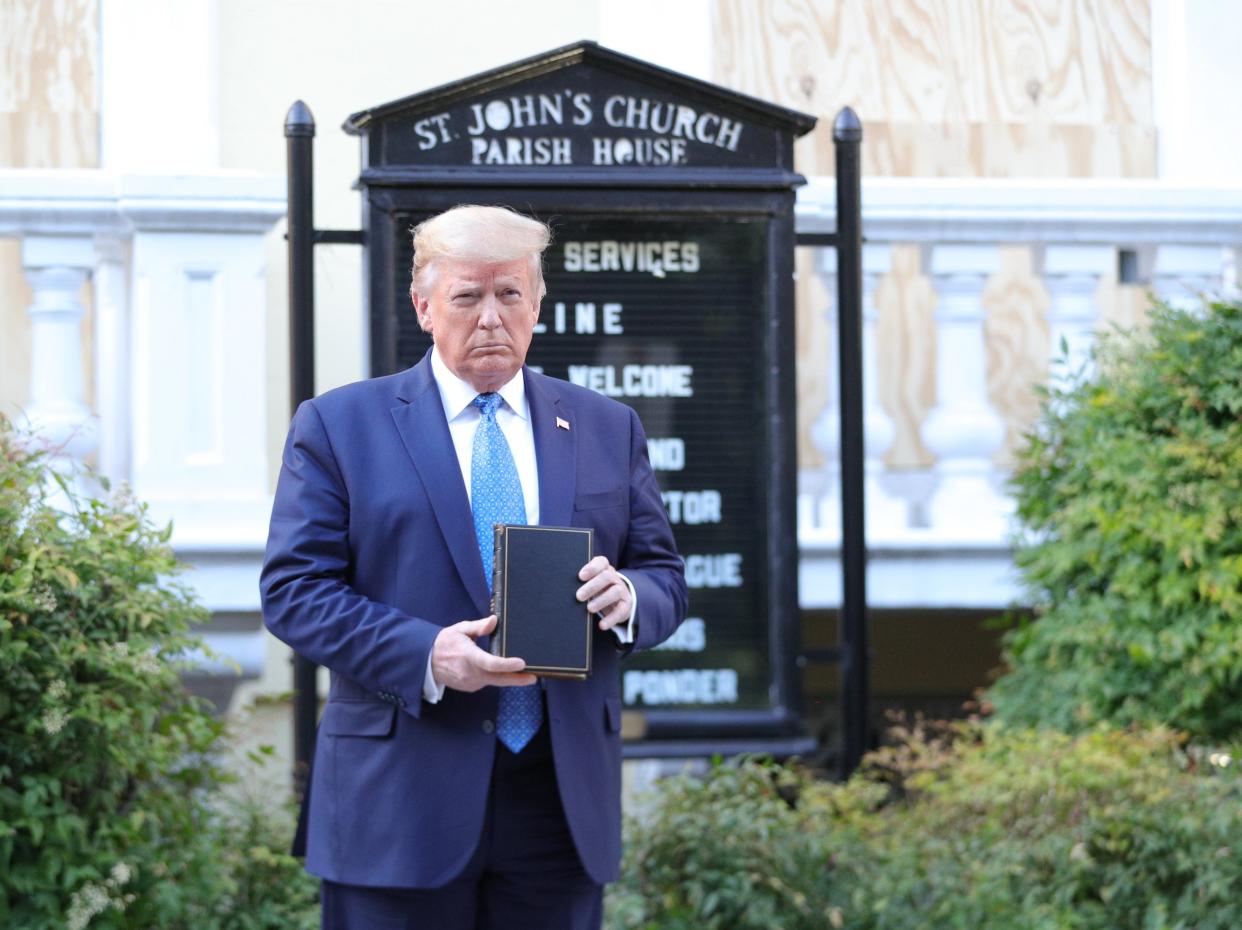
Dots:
{"x": 562, "y": 423}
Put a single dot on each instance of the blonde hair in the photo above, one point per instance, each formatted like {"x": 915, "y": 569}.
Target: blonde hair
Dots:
{"x": 478, "y": 234}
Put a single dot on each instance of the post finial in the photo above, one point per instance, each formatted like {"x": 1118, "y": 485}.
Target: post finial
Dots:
{"x": 847, "y": 127}
{"x": 299, "y": 121}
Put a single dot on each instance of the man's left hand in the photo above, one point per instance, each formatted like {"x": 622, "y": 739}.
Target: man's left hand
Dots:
{"x": 605, "y": 592}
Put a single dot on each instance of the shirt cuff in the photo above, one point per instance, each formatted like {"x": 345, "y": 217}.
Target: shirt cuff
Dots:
{"x": 432, "y": 690}
{"x": 625, "y": 631}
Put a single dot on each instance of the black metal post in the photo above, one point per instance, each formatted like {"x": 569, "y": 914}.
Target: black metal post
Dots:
{"x": 847, "y": 136}
{"x": 299, "y": 136}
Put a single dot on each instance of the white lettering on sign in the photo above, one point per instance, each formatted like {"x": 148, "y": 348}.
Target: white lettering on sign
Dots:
{"x": 518, "y": 113}
{"x": 691, "y": 636}
{"x": 541, "y": 150}
{"x": 692, "y": 507}
{"x": 585, "y": 319}
{"x": 667, "y": 454}
{"x": 640, "y": 151}
{"x": 635, "y": 380}
{"x": 582, "y": 109}
{"x": 722, "y": 570}
{"x": 612, "y": 319}
{"x": 657, "y": 258}
{"x": 681, "y": 686}
{"x": 428, "y": 138}
{"x": 677, "y": 119}
{"x": 670, "y": 127}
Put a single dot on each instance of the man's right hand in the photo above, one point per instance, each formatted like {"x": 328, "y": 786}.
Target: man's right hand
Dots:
{"x": 458, "y": 663}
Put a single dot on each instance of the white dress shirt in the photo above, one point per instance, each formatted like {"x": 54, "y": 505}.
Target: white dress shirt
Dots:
{"x": 513, "y": 418}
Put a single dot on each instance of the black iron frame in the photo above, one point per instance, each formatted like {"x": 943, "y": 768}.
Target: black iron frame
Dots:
{"x": 690, "y": 733}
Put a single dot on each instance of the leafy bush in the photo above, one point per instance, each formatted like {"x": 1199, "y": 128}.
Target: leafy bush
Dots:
{"x": 111, "y": 813}
{"x": 1037, "y": 830}
{"x": 733, "y": 851}
{"x": 970, "y": 828}
{"x": 1131, "y": 492}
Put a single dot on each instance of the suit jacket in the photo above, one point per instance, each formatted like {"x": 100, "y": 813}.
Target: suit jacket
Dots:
{"x": 372, "y": 551}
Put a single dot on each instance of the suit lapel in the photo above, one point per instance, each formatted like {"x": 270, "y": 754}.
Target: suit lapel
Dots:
{"x": 425, "y": 433}
{"x": 555, "y": 450}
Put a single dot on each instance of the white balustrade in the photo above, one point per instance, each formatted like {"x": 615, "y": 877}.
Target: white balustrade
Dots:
{"x": 112, "y": 366}
{"x": 176, "y": 268}
{"x": 57, "y": 268}
{"x": 940, "y": 536}
{"x": 878, "y": 430}
{"x": 1072, "y": 275}
{"x": 179, "y": 287}
{"x": 963, "y": 431}
{"x": 1182, "y": 275}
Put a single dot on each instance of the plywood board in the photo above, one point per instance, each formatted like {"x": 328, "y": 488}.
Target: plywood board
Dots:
{"x": 952, "y": 88}
{"x": 49, "y": 112}
{"x": 987, "y": 88}
{"x": 1018, "y": 343}
{"x": 943, "y": 61}
{"x": 15, "y": 298}
{"x": 989, "y": 150}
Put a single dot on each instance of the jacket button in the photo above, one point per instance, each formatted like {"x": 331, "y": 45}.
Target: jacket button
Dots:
{"x": 489, "y": 727}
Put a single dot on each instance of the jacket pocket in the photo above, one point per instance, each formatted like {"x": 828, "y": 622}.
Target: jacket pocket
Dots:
{"x": 358, "y": 718}
{"x": 600, "y": 499}
{"x": 612, "y": 714}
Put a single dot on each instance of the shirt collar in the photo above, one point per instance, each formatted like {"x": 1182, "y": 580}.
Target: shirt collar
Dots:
{"x": 457, "y": 395}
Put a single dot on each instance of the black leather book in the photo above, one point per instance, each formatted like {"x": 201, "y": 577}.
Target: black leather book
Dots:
{"x": 538, "y": 617}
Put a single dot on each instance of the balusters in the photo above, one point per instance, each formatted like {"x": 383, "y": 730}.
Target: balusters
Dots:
{"x": 112, "y": 365}
{"x": 1072, "y": 273}
{"x": 877, "y": 426}
{"x": 963, "y": 430}
{"x": 56, "y": 268}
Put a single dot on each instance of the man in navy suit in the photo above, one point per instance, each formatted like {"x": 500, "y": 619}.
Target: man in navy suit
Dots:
{"x": 435, "y": 802}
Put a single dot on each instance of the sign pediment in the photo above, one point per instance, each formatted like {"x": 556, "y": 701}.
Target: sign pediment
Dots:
{"x": 581, "y": 107}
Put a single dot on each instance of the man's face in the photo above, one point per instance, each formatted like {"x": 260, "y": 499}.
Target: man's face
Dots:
{"x": 481, "y": 317}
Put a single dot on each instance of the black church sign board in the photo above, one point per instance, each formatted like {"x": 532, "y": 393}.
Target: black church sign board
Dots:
{"x": 669, "y": 288}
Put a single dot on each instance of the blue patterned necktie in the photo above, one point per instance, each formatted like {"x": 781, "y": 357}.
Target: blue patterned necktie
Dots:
{"x": 496, "y": 497}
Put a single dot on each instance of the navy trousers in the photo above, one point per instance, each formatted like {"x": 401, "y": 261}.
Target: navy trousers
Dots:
{"x": 525, "y": 873}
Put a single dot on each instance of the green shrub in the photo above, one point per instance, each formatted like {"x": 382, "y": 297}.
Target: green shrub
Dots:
{"x": 732, "y": 851}
{"x": 970, "y": 828}
{"x": 1130, "y": 492}
{"x": 110, "y": 807}
{"x": 1037, "y": 830}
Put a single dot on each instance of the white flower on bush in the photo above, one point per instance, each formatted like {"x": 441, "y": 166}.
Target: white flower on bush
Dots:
{"x": 44, "y": 598}
{"x": 55, "y": 716}
{"x": 148, "y": 663}
{"x": 54, "y": 720}
{"x": 91, "y": 899}
{"x": 87, "y": 901}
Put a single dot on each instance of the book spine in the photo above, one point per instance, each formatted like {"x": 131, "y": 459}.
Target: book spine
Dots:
{"x": 498, "y": 588}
